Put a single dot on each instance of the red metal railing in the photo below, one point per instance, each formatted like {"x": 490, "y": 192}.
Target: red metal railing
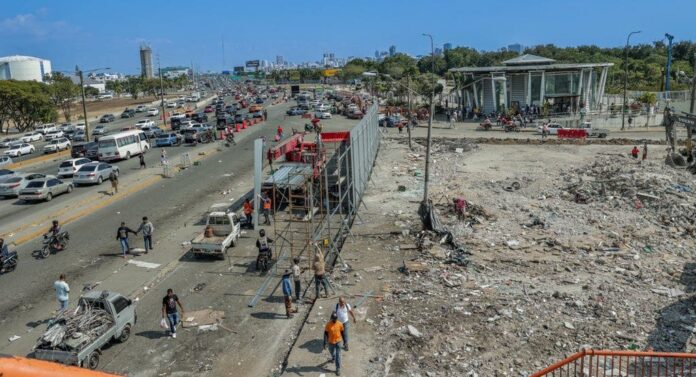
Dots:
{"x": 603, "y": 363}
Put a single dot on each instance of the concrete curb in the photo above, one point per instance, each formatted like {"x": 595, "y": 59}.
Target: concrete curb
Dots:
{"x": 39, "y": 159}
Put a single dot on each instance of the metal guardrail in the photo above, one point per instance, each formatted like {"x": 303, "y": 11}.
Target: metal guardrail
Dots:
{"x": 605, "y": 363}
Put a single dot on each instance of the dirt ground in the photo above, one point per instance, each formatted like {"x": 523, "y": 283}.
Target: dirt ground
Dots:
{"x": 567, "y": 246}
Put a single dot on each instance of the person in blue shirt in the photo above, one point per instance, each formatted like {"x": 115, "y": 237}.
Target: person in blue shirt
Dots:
{"x": 287, "y": 292}
{"x": 62, "y": 292}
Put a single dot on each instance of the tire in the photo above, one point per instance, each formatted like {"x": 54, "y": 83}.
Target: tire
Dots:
{"x": 100, "y": 180}
{"x": 46, "y": 251}
{"x": 128, "y": 155}
{"x": 125, "y": 334}
{"x": 92, "y": 361}
{"x": 70, "y": 188}
{"x": 49, "y": 196}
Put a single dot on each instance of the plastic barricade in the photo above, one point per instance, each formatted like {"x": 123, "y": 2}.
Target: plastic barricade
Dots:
{"x": 572, "y": 133}
{"x": 238, "y": 127}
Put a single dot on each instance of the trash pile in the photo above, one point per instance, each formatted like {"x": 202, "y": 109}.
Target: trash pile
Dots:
{"x": 72, "y": 330}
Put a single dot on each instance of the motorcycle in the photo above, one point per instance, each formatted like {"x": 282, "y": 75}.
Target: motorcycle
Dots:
{"x": 9, "y": 263}
{"x": 52, "y": 244}
{"x": 263, "y": 260}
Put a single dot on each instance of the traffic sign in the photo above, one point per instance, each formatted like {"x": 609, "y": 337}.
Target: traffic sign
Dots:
{"x": 686, "y": 119}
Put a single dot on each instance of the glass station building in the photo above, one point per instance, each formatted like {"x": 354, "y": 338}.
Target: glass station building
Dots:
{"x": 534, "y": 80}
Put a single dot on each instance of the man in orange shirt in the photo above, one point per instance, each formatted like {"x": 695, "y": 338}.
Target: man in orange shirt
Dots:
{"x": 248, "y": 210}
{"x": 332, "y": 336}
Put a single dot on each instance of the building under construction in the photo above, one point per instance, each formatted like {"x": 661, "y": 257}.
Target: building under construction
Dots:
{"x": 145, "y": 61}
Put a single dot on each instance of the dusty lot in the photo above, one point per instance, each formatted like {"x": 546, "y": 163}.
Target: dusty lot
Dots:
{"x": 570, "y": 246}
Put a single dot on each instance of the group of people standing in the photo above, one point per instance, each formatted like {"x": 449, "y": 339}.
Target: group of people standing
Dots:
{"x": 147, "y": 229}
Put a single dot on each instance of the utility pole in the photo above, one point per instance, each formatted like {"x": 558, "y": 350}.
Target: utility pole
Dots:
{"x": 84, "y": 104}
{"x": 623, "y": 106}
{"x": 164, "y": 114}
{"x": 669, "y": 62}
{"x": 430, "y": 122}
{"x": 408, "y": 125}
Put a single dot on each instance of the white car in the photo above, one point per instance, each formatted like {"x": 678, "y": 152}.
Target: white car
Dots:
{"x": 31, "y": 136}
{"x": 10, "y": 187}
{"x": 66, "y": 127}
{"x": 553, "y": 128}
{"x": 106, "y": 96}
{"x": 99, "y": 130}
{"x": 152, "y": 112}
{"x": 321, "y": 107}
{"x": 8, "y": 141}
{"x": 171, "y": 105}
{"x": 322, "y": 115}
{"x": 18, "y": 150}
{"x": 144, "y": 123}
{"x": 5, "y": 160}
{"x": 80, "y": 126}
{"x": 140, "y": 109}
{"x": 68, "y": 168}
{"x": 57, "y": 145}
{"x": 53, "y": 135}
{"x": 44, "y": 128}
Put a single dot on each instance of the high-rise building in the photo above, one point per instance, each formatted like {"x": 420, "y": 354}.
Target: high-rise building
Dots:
{"x": 447, "y": 46}
{"x": 438, "y": 51}
{"x": 515, "y": 47}
{"x": 145, "y": 61}
{"x": 392, "y": 50}
{"x": 24, "y": 68}
{"x": 279, "y": 60}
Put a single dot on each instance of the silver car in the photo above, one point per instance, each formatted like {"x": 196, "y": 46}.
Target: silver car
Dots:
{"x": 5, "y": 160}
{"x": 44, "y": 189}
{"x": 94, "y": 173}
{"x": 10, "y": 187}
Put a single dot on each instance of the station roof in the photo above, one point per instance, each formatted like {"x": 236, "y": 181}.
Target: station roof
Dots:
{"x": 529, "y": 67}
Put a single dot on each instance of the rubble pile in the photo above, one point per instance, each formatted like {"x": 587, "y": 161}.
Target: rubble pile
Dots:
{"x": 72, "y": 330}
{"x": 547, "y": 275}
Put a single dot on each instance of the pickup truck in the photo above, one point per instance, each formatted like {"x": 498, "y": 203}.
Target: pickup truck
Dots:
{"x": 72, "y": 340}
{"x": 226, "y": 230}
{"x": 594, "y": 132}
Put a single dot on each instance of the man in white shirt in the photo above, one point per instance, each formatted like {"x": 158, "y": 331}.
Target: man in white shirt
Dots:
{"x": 342, "y": 311}
{"x": 62, "y": 292}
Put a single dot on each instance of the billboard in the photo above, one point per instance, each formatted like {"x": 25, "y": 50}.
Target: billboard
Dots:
{"x": 238, "y": 69}
{"x": 330, "y": 72}
{"x": 252, "y": 64}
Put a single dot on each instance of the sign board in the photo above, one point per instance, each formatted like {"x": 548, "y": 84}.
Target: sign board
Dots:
{"x": 238, "y": 69}
{"x": 686, "y": 119}
{"x": 252, "y": 63}
{"x": 329, "y": 72}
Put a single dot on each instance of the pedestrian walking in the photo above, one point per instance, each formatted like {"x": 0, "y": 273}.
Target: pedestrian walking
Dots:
{"x": 400, "y": 126}
{"x": 319, "y": 272}
{"x": 142, "y": 160}
{"x": 113, "y": 178}
{"x": 266, "y": 202}
{"x": 122, "y": 237}
{"x": 645, "y": 151}
{"x": 163, "y": 157}
{"x": 62, "y": 292}
{"x": 265, "y": 115}
{"x": 544, "y": 131}
{"x": 147, "y": 229}
{"x": 333, "y": 338}
{"x": 343, "y": 310}
{"x": 297, "y": 277}
{"x": 287, "y": 293}
{"x": 170, "y": 312}
{"x": 630, "y": 121}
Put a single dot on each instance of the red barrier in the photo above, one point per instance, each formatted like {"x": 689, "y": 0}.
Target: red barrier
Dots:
{"x": 244, "y": 124}
{"x": 333, "y": 137}
{"x": 238, "y": 127}
{"x": 572, "y": 133}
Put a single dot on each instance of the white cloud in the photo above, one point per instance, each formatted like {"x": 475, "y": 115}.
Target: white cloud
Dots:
{"x": 35, "y": 25}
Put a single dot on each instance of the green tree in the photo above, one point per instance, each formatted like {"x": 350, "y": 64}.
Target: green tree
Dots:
{"x": 26, "y": 103}
{"x": 133, "y": 86}
{"x": 115, "y": 86}
{"x": 91, "y": 91}
{"x": 62, "y": 92}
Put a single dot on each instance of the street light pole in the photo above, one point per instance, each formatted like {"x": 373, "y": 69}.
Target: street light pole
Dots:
{"x": 84, "y": 104}
{"x": 623, "y": 105}
{"x": 430, "y": 122}
{"x": 164, "y": 114}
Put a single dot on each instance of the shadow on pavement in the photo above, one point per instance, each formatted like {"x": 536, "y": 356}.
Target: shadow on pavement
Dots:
{"x": 267, "y": 315}
{"x": 676, "y": 321}
{"x": 308, "y": 369}
{"x": 152, "y": 334}
{"x": 314, "y": 346}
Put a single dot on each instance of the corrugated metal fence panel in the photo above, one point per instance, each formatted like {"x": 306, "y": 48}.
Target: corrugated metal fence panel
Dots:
{"x": 488, "y": 106}
{"x": 518, "y": 89}
{"x": 364, "y": 144}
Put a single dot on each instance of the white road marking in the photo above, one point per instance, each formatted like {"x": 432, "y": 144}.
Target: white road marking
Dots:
{"x": 144, "y": 264}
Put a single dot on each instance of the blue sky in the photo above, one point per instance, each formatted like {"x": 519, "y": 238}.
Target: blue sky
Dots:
{"x": 104, "y": 33}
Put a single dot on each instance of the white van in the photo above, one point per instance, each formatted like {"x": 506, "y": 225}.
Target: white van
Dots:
{"x": 122, "y": 146}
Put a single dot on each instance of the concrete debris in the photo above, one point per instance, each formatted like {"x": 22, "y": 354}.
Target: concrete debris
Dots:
{"x": 14, "y": 337}
{"x": 414, "y": 332}
{"x": 71, "y": 330}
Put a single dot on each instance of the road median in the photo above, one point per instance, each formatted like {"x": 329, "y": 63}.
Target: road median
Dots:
{"x": 38, "y": 159}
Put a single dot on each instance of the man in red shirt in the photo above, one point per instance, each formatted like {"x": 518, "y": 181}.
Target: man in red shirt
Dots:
{"x": 635, "y": 151}
{"x": 248, "y": 210}
{"x": 332, "y": 336}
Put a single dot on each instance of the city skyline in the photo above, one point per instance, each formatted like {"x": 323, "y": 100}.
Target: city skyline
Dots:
{"x": 69, "y": 34}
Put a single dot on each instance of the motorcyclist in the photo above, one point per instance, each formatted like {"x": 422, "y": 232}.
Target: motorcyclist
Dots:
{"x": 53, "y": 232}
{"x": 4, "y": 251}
{"x": 263, "y": 244}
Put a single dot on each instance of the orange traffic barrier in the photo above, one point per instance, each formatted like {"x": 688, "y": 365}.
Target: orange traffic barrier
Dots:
{"x": 15, "y": 366}
{"x": 601, "y": 363}
{"x": 238, "y": 127}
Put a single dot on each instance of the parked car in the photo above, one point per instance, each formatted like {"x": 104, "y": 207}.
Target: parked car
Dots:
{"x": 44, "y": 189}
{"x": 107, "y": 118}
{"x": 57, "y": 145}
{"x": 53, "y": 135}
{"x": 45, "y": 128}
{"x": 18, "y": 150}
{"x": 168, "y": 139}
{"x": 99, "y": 130}
{"x": 322, "y": 115}
{"x": 11, "y": 186}
{"x": 68, "y": 168}
{"x": 355, "y": 114}
{"x": 199, "y": 117}
{"x": 151, "y": 131}
{"x": 553, "y": 128}
{"x": 259, "y": 101}
{"x": 6, "y": 173}
{"x": 144, "y": 123}
{"x": 31, "y": 136}
{"x": 88, "y": 150}
{"x": 93, "y": 172}
{"x": 128, "y": 113}
{"x": 141, "y": 109}
{"x": 295, "y": 111}
{"x": 8, "y": 141}
{"x": 69, "y": 134}
{"x": 66, "y": 126}
{"x": 322, "y": 107}
{"x": 5, "y": 160}
{"x": 152, "y": 112}
{"x": 79, "y": 135}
